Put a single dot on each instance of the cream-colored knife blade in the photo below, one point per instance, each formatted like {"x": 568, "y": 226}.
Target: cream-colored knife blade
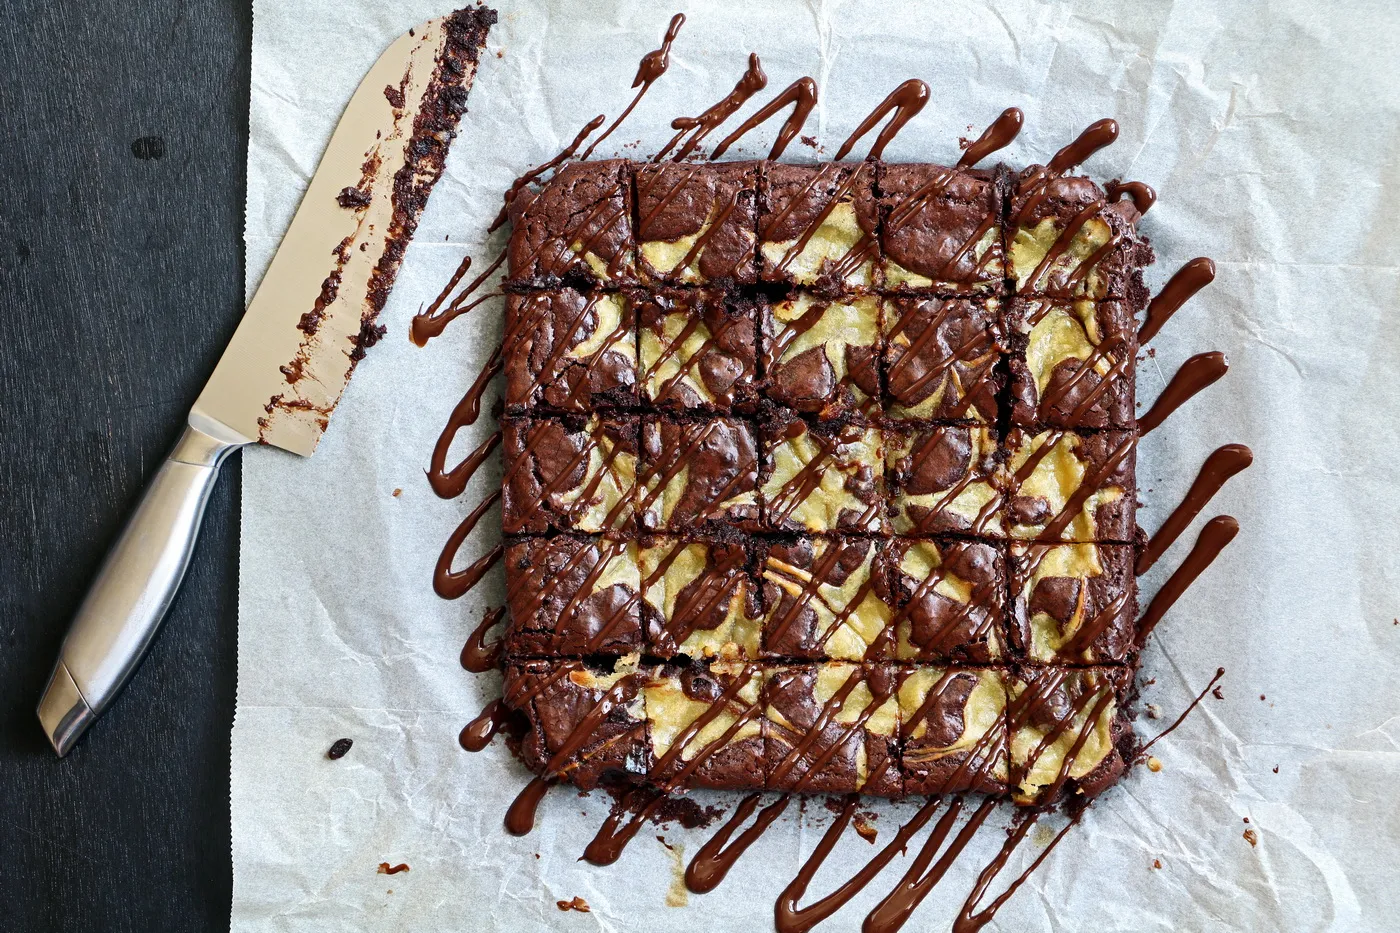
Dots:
{"x": 283, "y": 372}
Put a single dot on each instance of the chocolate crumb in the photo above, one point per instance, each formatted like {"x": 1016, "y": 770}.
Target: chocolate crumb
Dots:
{"x": 1251, "y": 837}
{"x": 577, "y": 903}
{"x": 394, "y": 96}
{"x": 1275, "y": 769}
{"x": 339, "y": 748}
{"x": 864, "y": 828}
{"x": 1217, "y": 693}
{"x": 397, "y": 493}
{"x": 1156, "y": 863}
{"x": 386, "y": 869}
{"x": 352, "y": 198}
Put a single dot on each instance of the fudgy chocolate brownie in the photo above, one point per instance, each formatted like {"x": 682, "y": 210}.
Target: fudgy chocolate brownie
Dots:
{"x": 940, "y": 229}
{"x": 941, "y": 356}
{"x": 575, "y": 230}
{"x": 817, "y": 225}
{"x": 697, "y": 223}
{"x": 699, "y": 349}
{"x": 1072, "y": 363}
{"x": 820, "y": 478}
{"x": 570, "y": 351}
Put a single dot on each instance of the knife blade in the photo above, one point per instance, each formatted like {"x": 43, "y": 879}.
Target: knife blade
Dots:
{"x": 278, "y": 381}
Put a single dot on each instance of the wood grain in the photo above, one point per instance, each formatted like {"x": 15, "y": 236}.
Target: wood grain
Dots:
{"x": 121, "y": 211}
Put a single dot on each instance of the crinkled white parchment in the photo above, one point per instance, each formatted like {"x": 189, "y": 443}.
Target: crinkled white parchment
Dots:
{"x": 1270, "y": 131}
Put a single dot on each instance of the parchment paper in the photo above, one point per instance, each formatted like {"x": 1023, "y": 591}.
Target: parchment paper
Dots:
{"x": 1270, "y": 132}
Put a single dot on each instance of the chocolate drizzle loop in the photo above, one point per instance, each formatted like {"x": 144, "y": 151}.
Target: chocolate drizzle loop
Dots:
{"x": 902, "y": 105}
{"x": 652, "y": 66}
{"x": 753, "y": 81}
{"x": 802, "y": 94}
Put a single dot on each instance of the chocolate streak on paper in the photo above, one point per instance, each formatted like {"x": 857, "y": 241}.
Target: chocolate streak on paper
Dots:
{"x": 1197, "y": 373}
{"x": 1224, "y": 463}
{"x": 1218, "y": 532}
{"x": 1189, "y": 279}
{"x": 652, "y": 66}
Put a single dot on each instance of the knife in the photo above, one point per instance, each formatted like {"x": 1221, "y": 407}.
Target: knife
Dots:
{"x": 279, "y": 379}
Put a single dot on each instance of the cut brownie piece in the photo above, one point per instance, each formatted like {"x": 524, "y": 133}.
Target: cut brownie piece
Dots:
{"x": 698, "y": 349}
{"x": 576, "y": 230}
{"x": 698, "y": 473}
{"x": 833, "y": 728}
{"x": 821, "y": 356}
{"x": 821, "y": 477}
{"x": 696, "y": 223}
{"x": 572, "y": 595}
{"x": 1073, "y": 603}
{"x": 1073, "y": 365}
{"x": 1068, "y": 731}
{"x": 1071, "y": 487}
{"x": 953, "y": 724}
{"x": 577, "y": 722}
{"x": 940, "y": 357}
{"x": 826, "y": 598}
{"x": 570, "y": 350}
{"x": 951, "y": 600}
{"x": 706, "y": 725}
{"x": 943, "y": 479}
{"x": 940, "y": 229}
{"x": 1065, "y": 239}
{"x": 817, "y": 225}
{"x": 568, "y": 474}
{"x": 699, "y": 598}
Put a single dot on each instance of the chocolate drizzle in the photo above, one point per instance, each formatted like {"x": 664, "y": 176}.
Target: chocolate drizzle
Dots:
{"x": 583, "y": 485}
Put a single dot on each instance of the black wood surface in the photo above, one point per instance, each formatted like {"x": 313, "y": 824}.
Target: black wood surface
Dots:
{"x": 121, "y": 278}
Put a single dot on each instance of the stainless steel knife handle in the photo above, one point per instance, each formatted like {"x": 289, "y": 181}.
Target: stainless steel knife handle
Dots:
{"x": 134, "y": 589}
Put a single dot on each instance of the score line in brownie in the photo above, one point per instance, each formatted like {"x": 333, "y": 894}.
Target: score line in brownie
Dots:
{"x": 820, "y": 478}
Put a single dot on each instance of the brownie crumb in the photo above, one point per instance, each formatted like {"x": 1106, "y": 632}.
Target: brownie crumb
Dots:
{"x": 353, "y": 198}
{"x": 339, "y": 748}
{"x": 394, "y": 95}
{"x": 1251, "y": 837}
{"x": 577, "y": 903}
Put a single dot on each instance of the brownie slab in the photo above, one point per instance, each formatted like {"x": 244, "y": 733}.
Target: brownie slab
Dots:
{"x": 1074, "y": 363}
{"x": 576, "y": 230}
{"x": 951, "y": 600}
{"x": 576, "y": 722}
{"x": 821, "y": 356}
{"x": 698, "y": 349}
{"x": 1066, "y": 486}
{"x": 941, "y": 357}
{"x": 1068, "y": 731}
{"x": 699, "y": 598}
{"x": 1066, "y": 240}
{"x": 943, "y": 478}
{"x": 698, "y": 473}
{"x": 827, "y": 598}
{"x": 568, "y": 474}
{"x": 570, "y": 350}
{"x": 940, "y": 229}
{"x": 953, "y": 728}
{"x": 833, "y": 728}
{"x": 706, "y": 725}
{"x": 1073, "y": 603}
{"x": 821, "y": 477}
{"x": 697, "y": 223}
{"x": 817, "y": 225}
{"x": 571, "y": 596}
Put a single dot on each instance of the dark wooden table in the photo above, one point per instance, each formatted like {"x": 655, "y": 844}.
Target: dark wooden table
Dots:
{"x": 121, "y": 278}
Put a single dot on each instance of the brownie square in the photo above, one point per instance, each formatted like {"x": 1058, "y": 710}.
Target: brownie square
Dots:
{"x": 1052, "y": 710}
{"x": 706, "y": 725}
{"x": 698, "y": 349}
{"x": 951, "y": 599}
{"x": 699, "y": 598}
{"x": 578, "y": 722}
{"x": 941, "y": 357}
{"x": 833, "y": 728}
{"x": 953, "y": 725}
{"x": 821, "y": 477}
{"x": 1073, "y": 364}
{"x": 697, "y": 223}
{"x": 826, "y": 598}
{"x": 1073, "y": 603}
{"x": 821, "y": 356}
{"x": 576, "y": 230}
{"x": 568, "y": 474}
{"x": 572, "y": 595}
{"x": 940, "y": 229}
{"x": 1065, "y": 240}
{"x": 570, "y": 350}
{"x": 943, "y": 478}
{"x": 817, "y": 225}
{"x": 1064, "y": 486}
{"x": 698, "y": 473}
